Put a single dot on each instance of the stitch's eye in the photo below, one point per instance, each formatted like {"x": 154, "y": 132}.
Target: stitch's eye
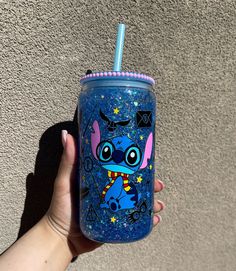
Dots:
{"x": 132, "y": 156}
{"x": 105, "y": 150}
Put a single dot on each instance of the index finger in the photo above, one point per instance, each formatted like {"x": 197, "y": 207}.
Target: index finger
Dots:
{"x": 158, "y": 185}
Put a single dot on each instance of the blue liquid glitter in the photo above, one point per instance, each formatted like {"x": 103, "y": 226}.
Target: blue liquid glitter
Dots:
{"x": 119, "y": 100}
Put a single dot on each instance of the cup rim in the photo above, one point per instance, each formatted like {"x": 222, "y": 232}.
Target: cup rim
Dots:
{"x": 116, "y": 75}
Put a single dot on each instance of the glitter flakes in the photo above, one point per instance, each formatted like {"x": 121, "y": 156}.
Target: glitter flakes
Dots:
{"x": 113, "y": 219}
{"x": 139, "y": 179}
{"x": 99, "y": 174}
{"x": 116, "y": 110}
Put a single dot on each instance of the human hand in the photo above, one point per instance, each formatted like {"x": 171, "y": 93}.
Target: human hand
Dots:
{"x": 61, "y": 215}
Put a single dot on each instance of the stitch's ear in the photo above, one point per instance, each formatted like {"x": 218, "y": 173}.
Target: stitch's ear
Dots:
{"x": 95, "y": 138}
{"x": 148, "y": 151}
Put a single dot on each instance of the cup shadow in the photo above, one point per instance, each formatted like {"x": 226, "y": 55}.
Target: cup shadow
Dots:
{"x": 39, "y": 185}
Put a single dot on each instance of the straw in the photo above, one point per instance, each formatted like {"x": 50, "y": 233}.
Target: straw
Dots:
{"x": 119, "y": 47}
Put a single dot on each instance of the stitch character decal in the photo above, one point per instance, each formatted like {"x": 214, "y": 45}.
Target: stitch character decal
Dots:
{"x": 121, "y": 157}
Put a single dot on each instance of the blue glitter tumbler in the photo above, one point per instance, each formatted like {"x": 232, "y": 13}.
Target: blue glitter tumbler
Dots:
{"x": 117, "y": 112}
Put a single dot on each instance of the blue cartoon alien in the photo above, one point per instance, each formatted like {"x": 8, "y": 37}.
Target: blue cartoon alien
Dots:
{"x": 121, "y": 157}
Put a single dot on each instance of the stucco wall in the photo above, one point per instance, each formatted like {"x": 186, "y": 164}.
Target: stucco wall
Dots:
{"x": 189, "y": 47}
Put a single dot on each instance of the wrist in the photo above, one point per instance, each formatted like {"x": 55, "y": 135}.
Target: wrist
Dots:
{"x": 62, "y": 245}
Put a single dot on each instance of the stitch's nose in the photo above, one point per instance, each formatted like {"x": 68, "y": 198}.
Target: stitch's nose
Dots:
{"x": 118, "y": 156}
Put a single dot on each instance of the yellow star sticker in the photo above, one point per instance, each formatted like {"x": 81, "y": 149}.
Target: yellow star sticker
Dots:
{"x": 116, "y": 110}
{"x": 150, "y": 166}
{"x": 141, "y": 137}
{"x": 139, "y": 179}
{"x": 113, "y": 219}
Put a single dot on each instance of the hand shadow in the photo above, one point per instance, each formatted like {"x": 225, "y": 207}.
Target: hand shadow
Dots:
{"x": 39, "y": 185}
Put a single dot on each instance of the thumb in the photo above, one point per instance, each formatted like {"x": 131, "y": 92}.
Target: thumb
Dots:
{"x": 68, "y": 159}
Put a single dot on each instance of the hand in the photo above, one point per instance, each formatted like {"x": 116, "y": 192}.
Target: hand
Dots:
{"x": 61, "y": 214}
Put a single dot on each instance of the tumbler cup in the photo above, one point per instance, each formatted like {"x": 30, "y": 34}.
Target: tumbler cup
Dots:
{"x": 117, "y": 112}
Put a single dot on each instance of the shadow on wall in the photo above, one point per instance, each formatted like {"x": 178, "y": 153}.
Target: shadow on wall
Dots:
{"x": 39, "y": 185}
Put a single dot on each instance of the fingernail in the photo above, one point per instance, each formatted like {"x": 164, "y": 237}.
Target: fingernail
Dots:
{"x": 162, "y": 184}
{"x": 159, "y": 218}
{"x": 63, "y": 137}
{"x": 162, "y": 204}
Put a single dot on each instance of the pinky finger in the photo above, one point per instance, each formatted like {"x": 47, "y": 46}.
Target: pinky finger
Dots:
{"x": 156, "y": 219}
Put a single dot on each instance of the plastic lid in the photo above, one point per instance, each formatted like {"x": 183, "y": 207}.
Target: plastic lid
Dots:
{"x": 118, "y": 75}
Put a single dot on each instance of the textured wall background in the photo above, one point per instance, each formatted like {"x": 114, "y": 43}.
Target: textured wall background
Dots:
{"x": 189, "y": 47}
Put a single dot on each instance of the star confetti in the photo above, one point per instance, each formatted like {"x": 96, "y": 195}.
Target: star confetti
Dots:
{"x": 150, "y": 167}
{"x": 139, "y": 179}
{"x": 141, "y": 137}
{"x": 116, "y": 110}
{"x": 113, "y": 219}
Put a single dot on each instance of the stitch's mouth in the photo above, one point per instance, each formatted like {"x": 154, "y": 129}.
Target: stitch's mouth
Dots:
{"x": 118, "y": 168}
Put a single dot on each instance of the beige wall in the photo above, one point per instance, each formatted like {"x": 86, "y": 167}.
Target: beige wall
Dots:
{"x": 189, "y": 47}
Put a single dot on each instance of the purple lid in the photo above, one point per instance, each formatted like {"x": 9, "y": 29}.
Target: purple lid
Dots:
{"x": 118, "y": 75}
